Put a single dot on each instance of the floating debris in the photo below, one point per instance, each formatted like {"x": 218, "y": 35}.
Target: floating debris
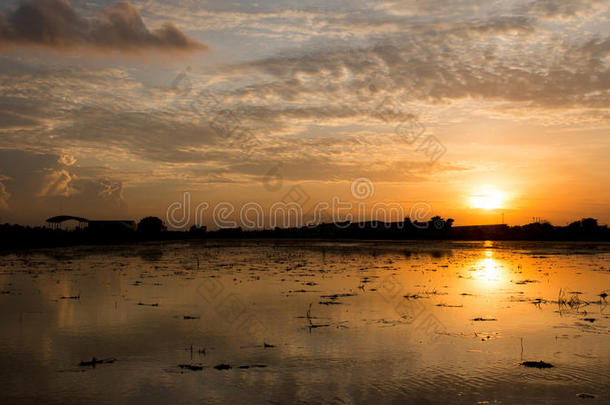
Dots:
{"x": 584, "y": 395}
{"x": 536, "y": 364}
{"x": 253, "y": 366}
{"x": 573, "y": 302}
{"x": 95, "y": 361}
{"x": 486, "y": 337}
{"x": 589, "y": 319}
{"x": 335, "y": 296}
{"x": 480, "y": 319}
{"x": 222, "y": 367}
{"x": 413, "y": 296}
{"x": 329, "y": 303}
{"x": 148, "y": 305}
{"x": 72, "y": 297}
{"x": 539, "y": 301}
{"x": 192, "y": 367}
{"x": 526, "y": 281}
{"x": 311, "y": 325}
{"x": 266, "y": 345}
{"x": 190, "y": 317}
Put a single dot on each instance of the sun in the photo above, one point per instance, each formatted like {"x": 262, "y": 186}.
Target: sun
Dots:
{"x": 488, "y": 199}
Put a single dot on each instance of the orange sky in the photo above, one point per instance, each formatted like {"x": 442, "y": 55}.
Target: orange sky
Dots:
{"x": 476, "y": 109}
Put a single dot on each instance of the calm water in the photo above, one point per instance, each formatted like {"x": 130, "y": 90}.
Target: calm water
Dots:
{"x": 385, "y": 322}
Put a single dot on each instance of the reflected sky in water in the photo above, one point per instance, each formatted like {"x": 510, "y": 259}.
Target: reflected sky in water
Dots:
{"x": 330, "y": 322}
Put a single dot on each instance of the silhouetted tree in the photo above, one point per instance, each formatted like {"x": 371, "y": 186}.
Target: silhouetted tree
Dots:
{"x": 574, "y": 226}
{"x": 589, "y": 224}
{"x": 439, "y": 224}
{"x": 151, "y": 225}
{"x": 198, "y": 229}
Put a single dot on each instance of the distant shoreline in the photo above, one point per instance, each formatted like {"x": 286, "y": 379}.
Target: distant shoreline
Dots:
{"x": 170, "y": 237}
{"x": 437, "y": 228}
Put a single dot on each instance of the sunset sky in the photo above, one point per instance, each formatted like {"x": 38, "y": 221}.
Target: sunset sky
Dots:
{"x": 113, "y": 110}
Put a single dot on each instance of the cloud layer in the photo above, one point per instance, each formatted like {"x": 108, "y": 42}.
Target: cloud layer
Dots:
{"x": 499, "y": 83}
{"x": 55, "y": 24}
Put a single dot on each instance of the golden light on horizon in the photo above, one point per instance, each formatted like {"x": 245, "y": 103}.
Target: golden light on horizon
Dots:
{"x": 487, "y": 199}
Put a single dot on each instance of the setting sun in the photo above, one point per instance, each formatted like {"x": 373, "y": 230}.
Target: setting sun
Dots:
{"x": 488, "y": 200}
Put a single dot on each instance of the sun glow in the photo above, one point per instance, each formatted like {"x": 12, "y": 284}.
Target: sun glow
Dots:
{"x": 488, "y": 270}
{"x": 487, "y": 200}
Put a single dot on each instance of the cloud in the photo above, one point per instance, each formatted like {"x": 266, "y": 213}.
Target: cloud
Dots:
{"x": 56, "y": 183}
{"x": 110, "y": 190}
{"x": 561, "y": 8}
{"x": 40, "y": 183}
{"x": 67, "y": 160}
{"x": 4, "y": 196}
{"x": 55, "y": 24}
{"x": 100, "y": 195}
{"x": 10, "y": 120}
{"x": 433, "y": 68}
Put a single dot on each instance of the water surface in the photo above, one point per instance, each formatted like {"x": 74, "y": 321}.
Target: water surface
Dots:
{"x": 306, "y": 322}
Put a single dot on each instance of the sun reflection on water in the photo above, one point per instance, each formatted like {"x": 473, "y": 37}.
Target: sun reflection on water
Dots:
{"x": 488, "y": 270}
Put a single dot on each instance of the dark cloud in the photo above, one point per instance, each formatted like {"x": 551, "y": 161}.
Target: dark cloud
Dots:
{"x": 38, "y": 183}
{"x": 55, "y": 24}
{"x": 24, "y": 171}
{"x": 560, "y": 8}
{"x": 9, "y": 120}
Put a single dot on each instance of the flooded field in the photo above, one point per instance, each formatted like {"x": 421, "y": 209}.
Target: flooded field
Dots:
{"x": 307, "y": 322}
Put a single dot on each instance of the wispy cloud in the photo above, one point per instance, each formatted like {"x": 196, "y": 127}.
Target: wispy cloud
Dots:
{"x": 4, "y": 197}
